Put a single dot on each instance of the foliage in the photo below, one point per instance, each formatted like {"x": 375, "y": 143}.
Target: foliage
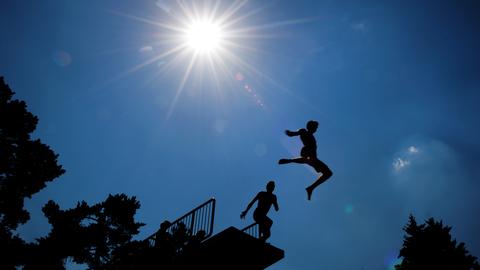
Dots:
{"x": 85, "y": 234}
{"x": 26, "y": 165}
{"x": 430, "y": 246}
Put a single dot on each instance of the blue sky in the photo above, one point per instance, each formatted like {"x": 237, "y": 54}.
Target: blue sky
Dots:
{"x": 394, "y": 84}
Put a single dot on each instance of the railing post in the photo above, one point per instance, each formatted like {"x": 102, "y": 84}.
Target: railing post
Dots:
{"x": 213, "y": 215}
{"x": 192, "y": 222}
{"x": 206, "y": 212}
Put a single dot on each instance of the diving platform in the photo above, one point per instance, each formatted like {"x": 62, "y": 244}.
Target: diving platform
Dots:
{"x": 235, "y": 249}
{"x": 231, "y": 248}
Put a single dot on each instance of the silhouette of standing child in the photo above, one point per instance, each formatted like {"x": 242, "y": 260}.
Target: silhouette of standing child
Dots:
{"x": 265, "y": 200}
{"x": 308, "y": 155}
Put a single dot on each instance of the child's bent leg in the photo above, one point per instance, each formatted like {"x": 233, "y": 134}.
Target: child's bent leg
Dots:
{"x": 326, "y": 174}
{"x": 267, "y": 225}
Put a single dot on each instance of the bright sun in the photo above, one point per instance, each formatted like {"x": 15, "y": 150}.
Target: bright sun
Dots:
{"x": 209, "y": 38}
{"x": 204, "y": 36}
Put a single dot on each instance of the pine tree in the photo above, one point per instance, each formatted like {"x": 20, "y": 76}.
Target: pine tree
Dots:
{"x": 430, "y": 246}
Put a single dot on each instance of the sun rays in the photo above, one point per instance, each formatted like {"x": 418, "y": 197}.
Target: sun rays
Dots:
{"x": 207, "y": 36}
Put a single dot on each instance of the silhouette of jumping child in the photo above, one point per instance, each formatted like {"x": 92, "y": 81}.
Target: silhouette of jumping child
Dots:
{"x": 308, "y": 155}
{"x": 265, "y": 200}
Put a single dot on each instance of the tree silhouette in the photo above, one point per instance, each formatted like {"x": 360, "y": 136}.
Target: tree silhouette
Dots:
{"x": 86, "y": 234}
{"x": 26, "y": 165}
{"x": 430, "y": 246}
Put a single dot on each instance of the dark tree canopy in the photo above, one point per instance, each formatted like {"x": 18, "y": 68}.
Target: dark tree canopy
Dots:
{"x": 430, "y": 246}
{"x": 85, "y": 234}
{"x": 26, "y": 165}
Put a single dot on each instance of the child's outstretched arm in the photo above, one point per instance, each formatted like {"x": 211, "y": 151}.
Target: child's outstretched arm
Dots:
{"x": 293, "y": 133}
{"x": 244, "y": 213}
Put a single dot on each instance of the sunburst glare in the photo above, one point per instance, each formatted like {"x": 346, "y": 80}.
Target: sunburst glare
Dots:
{"x": 206, "y": 36}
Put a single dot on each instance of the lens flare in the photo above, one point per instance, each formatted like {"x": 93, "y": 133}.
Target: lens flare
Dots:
{"x": 62, "y": 58}
{"x": 349, "y": 209}
{"x": 205, "y": 39}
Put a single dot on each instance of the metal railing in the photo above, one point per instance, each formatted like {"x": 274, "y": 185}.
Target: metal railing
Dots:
{"x": 252, "y": 230}
{"x": 200, "y": 218}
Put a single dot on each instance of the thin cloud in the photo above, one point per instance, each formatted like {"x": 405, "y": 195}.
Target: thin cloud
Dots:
{"x": 431, "y": 179}
{"x": 413, "y": 150}
{"x": 400, "y": 163}
{"x": 404, "y": 158}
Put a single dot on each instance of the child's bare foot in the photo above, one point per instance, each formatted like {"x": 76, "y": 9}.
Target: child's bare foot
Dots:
{"x": 283, "y": 161}
{"x": 309, "y": 192}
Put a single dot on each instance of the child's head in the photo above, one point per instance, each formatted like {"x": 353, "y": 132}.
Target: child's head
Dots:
{"x": 270, "y": 186}
{"x": 165, "y": 225}
{"x": 312, "y": 125}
